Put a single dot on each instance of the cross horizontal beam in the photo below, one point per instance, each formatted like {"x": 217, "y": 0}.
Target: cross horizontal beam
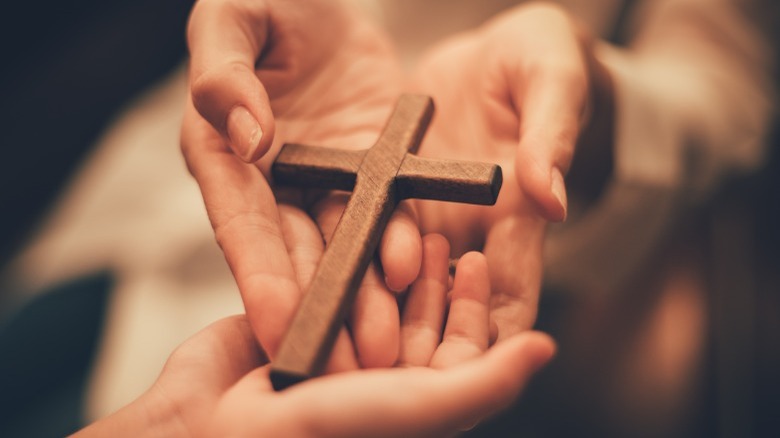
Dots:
{"x": 380, "y": 177}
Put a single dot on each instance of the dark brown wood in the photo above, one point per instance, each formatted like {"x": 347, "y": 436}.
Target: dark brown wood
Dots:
{"x": 381, "y": 177}
{"x": 454, "y": 181}
{"x": 313, "y": 166}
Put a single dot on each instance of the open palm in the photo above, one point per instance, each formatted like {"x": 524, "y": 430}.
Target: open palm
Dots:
{"x": 511, "y": 92}
{"x": 266, "y": 72}
{"x": 444, "y": 380}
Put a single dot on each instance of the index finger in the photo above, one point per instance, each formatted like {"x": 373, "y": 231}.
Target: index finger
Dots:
{"x": 225, "y": 39}
{"x": 547, "y": 76}
{"x": 245, "y": 218}
{"x": 468, "y": 326}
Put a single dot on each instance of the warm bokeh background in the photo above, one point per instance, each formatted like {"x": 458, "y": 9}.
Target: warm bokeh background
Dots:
{"x": 69, "y": 69}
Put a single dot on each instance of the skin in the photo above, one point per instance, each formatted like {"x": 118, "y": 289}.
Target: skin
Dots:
{"x": 531, "y": 74}
{"x": 352, "y": 102}
{"x": 216, "y": 383}
{"x": 516, "y": 91}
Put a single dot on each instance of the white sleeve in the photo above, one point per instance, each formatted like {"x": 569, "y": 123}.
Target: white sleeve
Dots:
{"x": 693, "y": 103}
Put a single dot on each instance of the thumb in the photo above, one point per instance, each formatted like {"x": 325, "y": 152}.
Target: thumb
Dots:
{"x": 549, "y": 88}
{"x": 551, "y": 107}
{"x": 225, "y": 40}
{"x": 541, "y": 179}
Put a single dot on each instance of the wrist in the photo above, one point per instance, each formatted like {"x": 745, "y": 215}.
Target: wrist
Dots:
{"x": 151, "y": 414}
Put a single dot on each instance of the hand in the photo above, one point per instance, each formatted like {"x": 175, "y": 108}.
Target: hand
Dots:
{"x": 513, "y": 92}
{"x": 211, "y": 382}
{"x": 266, "y": 70}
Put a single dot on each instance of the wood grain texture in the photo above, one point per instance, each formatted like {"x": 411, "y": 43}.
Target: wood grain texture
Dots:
{"x": 311, "y": 166}
{"x": 382, "y": 176}
{"x": 443, "y": 180}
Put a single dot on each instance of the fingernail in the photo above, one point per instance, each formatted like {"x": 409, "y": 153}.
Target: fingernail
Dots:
{"x": 244, "y": 132}
{"x": 558, "y": 189}
{"x": 544, "y": 357}
{"x": 394, "y": 288}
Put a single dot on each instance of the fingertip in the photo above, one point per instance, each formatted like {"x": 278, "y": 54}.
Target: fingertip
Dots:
{"x": 516, "y": 360}
{"x": 233, "y": 100}
{"x": 539, "y": 348}
{"x": 244, "y": 132}
{"x": 558, "y": 189}
{"x": 397, "y": 284}
{"x": 403, "y": 267}
{"x": 546, "y": 189}
{"x": 401, "y": 251}
{"x": 250, "y": 136}
{"x": 474, "y": 261}
{"x": 267, "y": 127}
{"x": 471, "y": 275}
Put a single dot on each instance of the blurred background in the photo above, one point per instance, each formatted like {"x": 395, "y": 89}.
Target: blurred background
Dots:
{"x": 68, "y": 71}
{"x": 81, "y": 79}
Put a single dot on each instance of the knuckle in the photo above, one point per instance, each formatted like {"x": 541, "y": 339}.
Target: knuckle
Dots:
{"x": 208, "y": 83}
{"x": 547, "y": 10}
{"x": 569, "y": 73}
{"x": 211, "y": 87}
{"x": 226, "y": 229}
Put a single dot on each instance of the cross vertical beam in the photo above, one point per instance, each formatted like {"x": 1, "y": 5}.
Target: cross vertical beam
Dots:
{"x": 386, "y": 174}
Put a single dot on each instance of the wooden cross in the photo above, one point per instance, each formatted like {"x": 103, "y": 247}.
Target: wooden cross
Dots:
{"x": 381, "y": 177}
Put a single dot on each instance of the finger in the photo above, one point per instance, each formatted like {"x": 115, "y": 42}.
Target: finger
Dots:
{"x": 244, "y": 215}
{"x": 515, "y": 273}
{"x": 373, "y": 320}
{"x": 418, "y": 401}
{"x": 549, "y": 130}
{"x": 225, "y": 39}
{"x": 375, "y": 323}
{"x": 305, "y": 246}
{"x": 423, "y": 314}
{"x": 549, "y": 90}
{"x": 467, "y": 332}
{"x": 400, "y": 249}
{"x": 303, "y": 240}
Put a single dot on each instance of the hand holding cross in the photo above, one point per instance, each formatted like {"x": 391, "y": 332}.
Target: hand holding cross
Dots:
{"x": 381, "y": 177}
